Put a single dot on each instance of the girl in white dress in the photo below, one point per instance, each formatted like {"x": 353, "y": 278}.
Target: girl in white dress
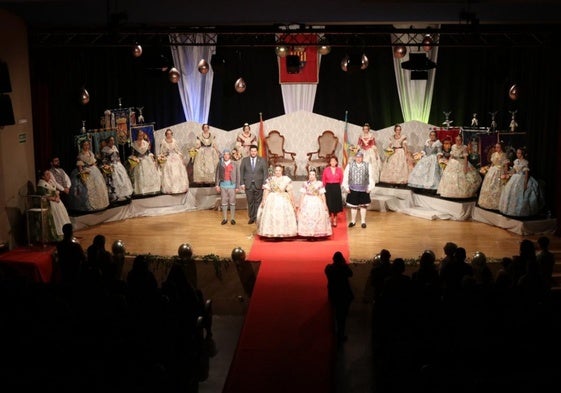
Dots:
{"x": 522, "y": 196}
{"x": 459, "y": 179}
{"x": 493, "y": 182}
{"x": 395, "y": 169}
{"x": 119, "y": 178}
{"x": 367, "y": 144}
{"x": 145, "y": 174}
{"x": 276, "y": 216}
{"x": 426, "y": 173}
{"x": 206, "y": 160}
{"x": 313, "y": 214}
{"x": 87, "y": 177}
{"x": 174, "y": 172}
{"x": 244, "y": 140}
{"x": 58, "y": 216}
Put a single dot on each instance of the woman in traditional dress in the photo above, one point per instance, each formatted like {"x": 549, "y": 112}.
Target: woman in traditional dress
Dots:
{"x": 395, "y": 170}
{"x": 367, "y": 144}
{"x": 206, "y": 160}
{"x": 426, "y": 173}
{"x": 277, "y": 216}
{"x": 88, "y": 191}
{"x": 332, "y": 177}
{"x": 493, "y": 182}
{"x": 244, "y": 140}
{"x": 58, "y": 216}
{"x": 522, "y": 196}
{"x": 174, "y": 172}
{"x": 459, "y": 179}
{"x": 313, "y": 213}
{"x": 118, "y": 181}
{"x": 146, "y": 177}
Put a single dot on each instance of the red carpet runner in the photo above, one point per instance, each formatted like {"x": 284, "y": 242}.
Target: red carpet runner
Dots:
{"x": 286, "y": 343}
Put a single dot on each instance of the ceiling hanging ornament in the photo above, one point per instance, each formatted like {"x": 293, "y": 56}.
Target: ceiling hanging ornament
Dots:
{"x": 240, "y": 85}
{"x": 174, "y": 75}
{"x": 399, "y": 51}
{"x": 513, "y": 92}
{"x": 137, "y": 50}
{"x": 427, "y": 43}
{"x": 84, "y": 96}
{"x": 345, "y": 63}
{"x": 203, "y": 66}
{"x": 281, "y": 51}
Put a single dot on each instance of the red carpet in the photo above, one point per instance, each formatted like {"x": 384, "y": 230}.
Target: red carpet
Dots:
{"x": 286, "y": 343}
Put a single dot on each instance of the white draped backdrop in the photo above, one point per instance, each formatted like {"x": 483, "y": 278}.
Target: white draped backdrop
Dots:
{"x": 415, "y": 96}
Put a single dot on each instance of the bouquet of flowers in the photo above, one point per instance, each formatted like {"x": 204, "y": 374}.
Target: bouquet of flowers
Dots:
{"x": 133, "y": 161}
{"x": 388, "y": 151}
{"x": 107, "y": 169}
{"x": 417, "y": 156}
{"x": 484, "y": 169}
{"x": 442, "y": 163}
{"x": 192, "y": 152}
{"x": 84, "y": 175}
{"x": 505, "y": 177}
{"x": 353, "y": 149}
{"x": 162, "y": 159}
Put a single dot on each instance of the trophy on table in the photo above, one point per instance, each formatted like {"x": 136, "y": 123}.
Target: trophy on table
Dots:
{"x": 474, "y": 121}
{"x": 513, "y": 124}
{"x": 140, "y": 119}
{"x": 493, "y": 121}
{"x": 447, "y": 122}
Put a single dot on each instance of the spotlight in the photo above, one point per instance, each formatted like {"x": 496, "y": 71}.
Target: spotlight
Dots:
{"x": 418, "y": 64}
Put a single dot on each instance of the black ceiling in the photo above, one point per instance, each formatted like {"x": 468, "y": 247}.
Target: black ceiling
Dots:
{"x": 364, "y": 23}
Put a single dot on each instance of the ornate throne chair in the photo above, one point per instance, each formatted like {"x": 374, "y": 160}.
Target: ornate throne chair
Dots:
{"x": 276, "y": 153}
{"x": 319, "y": 159}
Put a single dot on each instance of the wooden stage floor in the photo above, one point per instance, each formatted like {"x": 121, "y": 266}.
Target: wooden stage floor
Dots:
{"x": 403, "y": 235}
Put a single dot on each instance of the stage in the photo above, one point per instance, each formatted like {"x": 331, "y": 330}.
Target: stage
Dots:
{"x": 384, "y": 199}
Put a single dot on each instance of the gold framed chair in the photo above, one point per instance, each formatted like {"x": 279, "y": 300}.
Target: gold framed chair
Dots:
{"x": 276, "y": 153}
{"x": 319, "y": 159}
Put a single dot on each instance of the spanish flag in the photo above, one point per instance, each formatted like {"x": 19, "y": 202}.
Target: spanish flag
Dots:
{"x": 262, "y": 142}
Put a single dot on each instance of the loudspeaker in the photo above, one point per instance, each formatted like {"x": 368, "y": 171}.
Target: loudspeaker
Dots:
{"x": 5, "y": 85}
{"x": 292, "y": 64}
{"x": 6, "y": 111}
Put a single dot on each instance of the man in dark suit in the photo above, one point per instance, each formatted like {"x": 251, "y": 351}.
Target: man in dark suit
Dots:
{"x": 253, "y": 173}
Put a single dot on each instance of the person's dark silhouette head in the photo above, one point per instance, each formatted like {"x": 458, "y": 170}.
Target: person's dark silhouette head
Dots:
{"x": 427, "y": 259}
{"x": 338, "y": 258}
{"x": 99, "y": 241}
{"x": 67, "y": 230}
{"x": 450, "y": 248}
{"x": 543, "y": 242}
{"x": 460, "y": 254}
{"x": 527, "y": 249}
{"x": 385, "y": 255}
{"x": 398, "y": 266}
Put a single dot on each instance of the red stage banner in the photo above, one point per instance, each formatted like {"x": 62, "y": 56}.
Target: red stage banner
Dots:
{"x": 309, "y": 65}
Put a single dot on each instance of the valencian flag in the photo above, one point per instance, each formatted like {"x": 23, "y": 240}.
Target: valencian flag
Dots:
{"x": 345, "y": 142}
{"x": 307, "y": 71}
{"x": 262, "y": 148}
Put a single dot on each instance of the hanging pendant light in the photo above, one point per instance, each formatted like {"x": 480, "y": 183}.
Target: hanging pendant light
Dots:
{"x": 240, "y": 85}
{"x": 84, "y": 96}
{"x": 174, "y": 75}
{"x": 203, "y": 66}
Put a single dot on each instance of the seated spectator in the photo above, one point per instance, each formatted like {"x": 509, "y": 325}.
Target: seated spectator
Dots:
{"x": 546, "y": 260}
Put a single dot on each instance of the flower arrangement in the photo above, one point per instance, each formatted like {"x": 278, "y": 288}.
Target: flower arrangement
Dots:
{"x": 484, "y": 169}
{"x": 107, "y": 169}
{"x": 353, "y": 149}
{"x": 388, "y": 151}
{"x": 162, "y": 159}
{"x": 133, "y": 161}
{"x": 505, "y": 177}
{"x": 417, "y": 156}
{"x": 442, "y": 163}
{"x": 84, "y": 175}
{"x": 192, "y": 152}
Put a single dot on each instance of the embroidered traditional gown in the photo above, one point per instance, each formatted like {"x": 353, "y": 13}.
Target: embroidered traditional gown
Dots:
{"x": 276, "y": 218}
{"x": 206, "y": 160}
{"x": 313, "y": 216}
{"x": 174, "y": 172}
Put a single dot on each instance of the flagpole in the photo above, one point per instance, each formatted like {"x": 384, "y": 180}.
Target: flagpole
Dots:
{"x": 345, "y": 142}
{"x": 262, "y": 142}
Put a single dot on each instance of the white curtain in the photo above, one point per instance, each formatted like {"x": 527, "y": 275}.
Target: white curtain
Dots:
{"x": 194, "y": 88}
{"x": 298, "y": 96}
{"x": 415, "y": 96}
